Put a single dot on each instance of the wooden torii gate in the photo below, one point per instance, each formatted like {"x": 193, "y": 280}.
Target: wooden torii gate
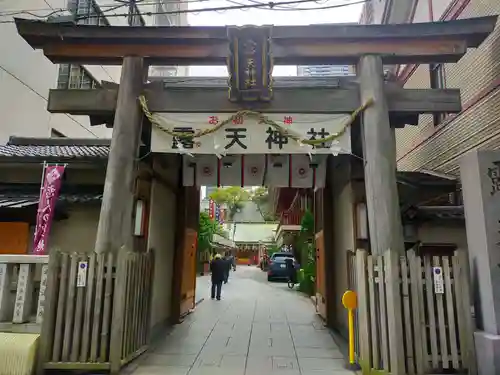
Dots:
{"x": 368, "y": 47}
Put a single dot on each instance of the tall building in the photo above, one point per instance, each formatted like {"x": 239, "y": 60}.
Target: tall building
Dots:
{"x": 324, "y": 70}
{"x": 163, "y": 18}
{"x": 388, "y": 11}
{"x": 26, "y": 75}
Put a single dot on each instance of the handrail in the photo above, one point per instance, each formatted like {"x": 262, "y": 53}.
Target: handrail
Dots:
{"x": 24, "y": 258}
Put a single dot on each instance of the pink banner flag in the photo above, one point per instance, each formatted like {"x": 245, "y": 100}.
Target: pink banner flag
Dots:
{"x": 48, "y": 198}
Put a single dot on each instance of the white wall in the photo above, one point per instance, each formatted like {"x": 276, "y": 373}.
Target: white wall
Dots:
{"x": 162, "y": 241}
{"x": 78, "y": 232}
{"x": 343, "y": 241}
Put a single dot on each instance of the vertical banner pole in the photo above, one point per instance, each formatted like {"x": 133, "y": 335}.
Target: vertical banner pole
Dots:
{"x": 350, "y": 302}
{"x": 44, "y": 168}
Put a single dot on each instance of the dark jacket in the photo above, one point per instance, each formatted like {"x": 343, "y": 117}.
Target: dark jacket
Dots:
{"x": 229, "y": 260}
{"x": 218, "y": 269}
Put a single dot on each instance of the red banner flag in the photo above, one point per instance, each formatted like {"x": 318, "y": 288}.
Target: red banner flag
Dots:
{"x": 48, "y": 198}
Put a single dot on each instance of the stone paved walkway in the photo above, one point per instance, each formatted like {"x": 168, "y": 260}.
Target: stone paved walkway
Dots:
{"x": 258, "y": 328}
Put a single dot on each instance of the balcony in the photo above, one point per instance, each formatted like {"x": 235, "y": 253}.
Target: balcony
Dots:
{"x": 291, "y": 218}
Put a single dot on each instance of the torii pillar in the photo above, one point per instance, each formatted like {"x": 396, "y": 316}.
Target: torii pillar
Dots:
{"x": 379, "y": 153}
{"x": 115, "y": 221}
{"x": 384, "y": 217}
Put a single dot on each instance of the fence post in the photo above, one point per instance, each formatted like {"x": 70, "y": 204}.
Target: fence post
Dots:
{"x": 417, "y": 306}
{"x": 363, "y": 311}
{"x": 394, "y": 311}
{"x": 116, "y": 341}
{"x": 49, "y": 311}
{"x": 464, "y": 280}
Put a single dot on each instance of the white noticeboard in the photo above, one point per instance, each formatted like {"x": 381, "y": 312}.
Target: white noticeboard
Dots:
{"x": 248, "y": 136}
{"x": 81, "y": 276}
{"x": 438, "y": 280}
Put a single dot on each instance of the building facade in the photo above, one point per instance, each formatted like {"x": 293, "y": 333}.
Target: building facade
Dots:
{"x": 26, "y": 75}
{"x": 440, "y": 141}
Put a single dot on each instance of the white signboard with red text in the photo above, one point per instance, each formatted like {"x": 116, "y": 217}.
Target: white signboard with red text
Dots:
{"x": 247, "y": 136}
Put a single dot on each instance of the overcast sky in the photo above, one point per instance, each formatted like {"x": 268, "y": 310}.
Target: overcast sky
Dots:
{"x": 345, "y": 14}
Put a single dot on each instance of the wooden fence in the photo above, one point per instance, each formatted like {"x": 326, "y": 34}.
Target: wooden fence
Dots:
{"x": 414, "y": 313}
{"x": 97, "y": 310}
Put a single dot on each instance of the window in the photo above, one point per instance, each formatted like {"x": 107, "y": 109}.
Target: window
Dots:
{"x": 87, "y": 12}
{"x": 72, "y": 76}
{"x": 56, "y": 134}
{"x": 438, "y": 81}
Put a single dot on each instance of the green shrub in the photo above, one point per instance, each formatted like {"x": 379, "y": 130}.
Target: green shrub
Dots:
{"x": 308, "y": 254}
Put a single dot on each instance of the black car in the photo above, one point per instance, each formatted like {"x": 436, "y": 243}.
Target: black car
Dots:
{"x": 277, "y": 266}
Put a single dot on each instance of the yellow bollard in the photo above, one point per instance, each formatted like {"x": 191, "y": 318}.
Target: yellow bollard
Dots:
{"x": 350, "y": 302}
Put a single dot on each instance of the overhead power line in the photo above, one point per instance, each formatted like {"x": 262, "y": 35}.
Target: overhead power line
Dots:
{"x": 270, "y": 5}
{"x": 104, "y": 7}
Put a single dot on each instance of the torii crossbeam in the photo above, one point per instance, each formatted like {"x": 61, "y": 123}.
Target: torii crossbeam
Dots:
{"x": 291, "y": 45}
{"x": 291, "y": 95}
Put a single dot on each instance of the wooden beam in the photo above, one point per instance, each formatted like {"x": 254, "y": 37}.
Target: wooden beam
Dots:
{"x": 473, "y": 30}
{"x": 303, "y": 52}
{"x": 313, "y": 44}
{"x": 112, "y": 54}
{"x": 286, "y": 100}
{"x": 398, "y": 51}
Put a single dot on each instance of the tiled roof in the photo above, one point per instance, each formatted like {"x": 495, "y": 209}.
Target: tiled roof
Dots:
{"x": 26, "y": 200}
{"x": 248, "y": 233}
{"x": 60, "y": 149}
{"x": 63, "y": 152}
{"x": 249, "y": 213}
{"x": 435, "y": 212}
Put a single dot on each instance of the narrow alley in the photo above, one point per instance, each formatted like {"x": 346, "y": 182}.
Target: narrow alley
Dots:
{"x": 258, "y": 328}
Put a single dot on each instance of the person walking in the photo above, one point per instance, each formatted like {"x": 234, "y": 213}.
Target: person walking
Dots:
{"x": 229, "y": 259}
{"x": 217, "y": 268}
{"x": 227, "y": 267}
